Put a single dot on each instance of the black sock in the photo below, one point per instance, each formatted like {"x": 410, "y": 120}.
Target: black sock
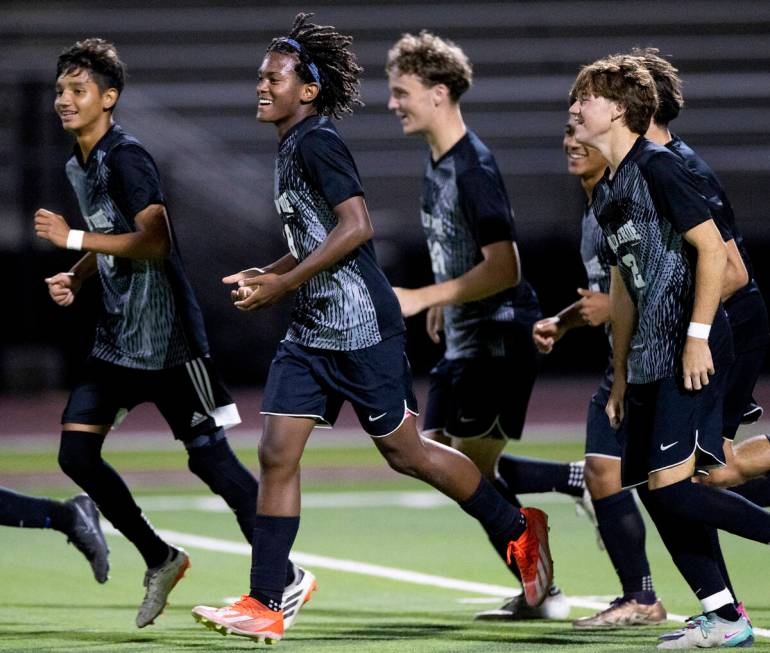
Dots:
{"x": 717, "y": 508}
{"x": 212, "y": 460}
{"x": 690, "y": 544}
{"x": 502, "y": 487}
{"x": 728, "y": 612}
{"x": 24, "y": 511}
{"x": 623, "y": 533}
{"x": 81, "y": 459}
{"x": 757, "y": 490}
{"x": 528, "y": 475}
{"x": 501, "y": 521}
{"x": 273, "y": 539}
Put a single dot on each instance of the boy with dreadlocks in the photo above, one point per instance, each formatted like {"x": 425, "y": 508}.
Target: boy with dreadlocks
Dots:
{"x": 151, "y": 344}
{"x": 346, "y": 337}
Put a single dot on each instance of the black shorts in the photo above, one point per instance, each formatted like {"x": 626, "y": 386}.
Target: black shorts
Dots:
{"x": 603, "y": 441}
{"x": 666, "y": 424}
{"x": 191, "y": 397}
{"x": 481, "y": 397}
{"x": 309, "y": 382}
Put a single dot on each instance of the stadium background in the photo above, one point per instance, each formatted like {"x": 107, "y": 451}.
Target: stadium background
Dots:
{"x": 190, "y": 98}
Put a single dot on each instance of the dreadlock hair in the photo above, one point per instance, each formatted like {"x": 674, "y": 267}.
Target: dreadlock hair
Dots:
{"x": 623, "y": 79}
{"x": 99, "y": 58}
{"x": 434, "y": 60}
{"x": 328, "y": 50}
{"x": 667, "y": 83}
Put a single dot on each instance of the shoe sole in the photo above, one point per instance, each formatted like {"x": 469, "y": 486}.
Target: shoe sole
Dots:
{"x": 269, "y": 639}
{"x": 180, "y": 574}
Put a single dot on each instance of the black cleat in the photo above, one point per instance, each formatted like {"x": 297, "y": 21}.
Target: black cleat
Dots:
{"x": 86, "y": 534}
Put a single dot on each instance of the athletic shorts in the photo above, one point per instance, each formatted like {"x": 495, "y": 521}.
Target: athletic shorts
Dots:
{"x": 309, "y": 382}
{"x": 481, "y": 397}
{"x": 602, "y": 440}
{"x": 191, "y": 397}
{"x": 666, "y": 424}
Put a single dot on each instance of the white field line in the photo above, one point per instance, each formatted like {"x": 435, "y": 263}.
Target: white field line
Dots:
{"x": 391, "y": 573}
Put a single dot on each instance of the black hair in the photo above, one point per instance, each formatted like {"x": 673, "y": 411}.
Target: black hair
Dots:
{"x": 99, "y": 58}
{"x": 329, "y": 51}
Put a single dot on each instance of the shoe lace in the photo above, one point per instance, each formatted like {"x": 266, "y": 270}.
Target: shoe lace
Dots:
{"x": 245, "y": 604}
{"x": 702, "y": 622}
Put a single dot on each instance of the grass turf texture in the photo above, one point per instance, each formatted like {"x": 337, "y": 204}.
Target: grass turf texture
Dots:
{"x": 50, "y": 602}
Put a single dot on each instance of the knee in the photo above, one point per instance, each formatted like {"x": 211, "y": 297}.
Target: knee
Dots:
{"x": 602, "y": 477}
{"x": 277, "y": 459}
{"x": 400, "y": 461}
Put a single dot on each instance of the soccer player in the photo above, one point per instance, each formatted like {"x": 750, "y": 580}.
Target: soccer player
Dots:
{"x": 671, "y": 340}
{"x": 481, "y": 387}
{"x": 742, "y": 298}
{"x": 150, "y": 343}
{"x": 346, "y": 336}
{"x": 77, "y": 518}
{"x": 618, "y": 518}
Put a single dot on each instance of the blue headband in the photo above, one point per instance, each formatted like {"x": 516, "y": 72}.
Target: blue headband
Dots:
{"x": 310, "y": 65}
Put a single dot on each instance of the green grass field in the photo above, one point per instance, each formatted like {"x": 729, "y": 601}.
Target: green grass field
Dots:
{"x": 49, "y": 601}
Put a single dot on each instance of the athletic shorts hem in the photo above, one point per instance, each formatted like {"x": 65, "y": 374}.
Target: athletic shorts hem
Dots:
{"x": 407, "y": 411}
{"x": 496, "y": 424}
{"x": 226, "y": 416}
{"x": 321, "y": 423}
{"x": 588, "y": 454}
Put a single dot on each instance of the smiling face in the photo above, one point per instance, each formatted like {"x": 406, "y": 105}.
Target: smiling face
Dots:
{"x": 582, "y": 161}
{"x": 593, "y": 117}
{"x": 413, "y": 103}
{"x": 80, "y": 103}
{"x": 283, "y": 98}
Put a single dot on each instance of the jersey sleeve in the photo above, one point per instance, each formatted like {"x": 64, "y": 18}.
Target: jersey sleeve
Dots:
{"x": 483, "y": 202}
{"x": 330, "y": 166}
{"x": 677, "y": 193}
{"x": 134, "y": 182}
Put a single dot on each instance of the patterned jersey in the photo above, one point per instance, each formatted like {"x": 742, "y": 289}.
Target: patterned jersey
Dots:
{"x": 151, "y": 318}
{"x": 643, "y": 211}
{"x": 464, "y": 208}
{"x": 595, "y": 253}
{"x": 350, "y": 305}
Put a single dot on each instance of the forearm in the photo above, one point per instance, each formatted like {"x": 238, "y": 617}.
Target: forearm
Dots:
{"x": 622, "y": 320}
{"x": 709, "y": 277}
{"x": 341, "y": 241}
{"x": 134, "y": 245}
{"x": 85, "y": 267}
{"x": 282, "y": 265}
{"x": 571, "y": 317}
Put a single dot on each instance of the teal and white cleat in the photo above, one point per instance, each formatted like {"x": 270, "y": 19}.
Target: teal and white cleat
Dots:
{"x": 709, "y": 631}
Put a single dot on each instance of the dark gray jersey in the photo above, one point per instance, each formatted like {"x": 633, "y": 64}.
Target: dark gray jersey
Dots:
{"x": 464, "y": 208}
{"x": 151, "y": 318}
{"x": 644, "y": 210}
{"x": 350, "y": 305}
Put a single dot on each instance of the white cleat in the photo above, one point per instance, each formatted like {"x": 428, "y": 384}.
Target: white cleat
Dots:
{"x": 709, "y": 631}
{"x": 297, "y": 594}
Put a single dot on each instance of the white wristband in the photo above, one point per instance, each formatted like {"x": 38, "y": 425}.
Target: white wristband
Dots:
{"x": 698, "y": 330}
{"x": 75, "y": 239}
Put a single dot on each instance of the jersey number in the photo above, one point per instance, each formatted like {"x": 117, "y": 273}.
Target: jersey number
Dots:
{"x": 437, "y": 262}
{"x": 629, "y": 260}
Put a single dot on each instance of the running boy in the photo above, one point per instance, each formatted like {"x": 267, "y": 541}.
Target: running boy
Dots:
{"x": 668, "y": 261}
{"x": 150, "y": 343}
{"x": 346, "y": 337}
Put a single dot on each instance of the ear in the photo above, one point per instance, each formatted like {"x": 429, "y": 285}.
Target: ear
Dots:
{"x": 109, "y": 99}
{"x": 439, "y": 94}
{"x": 618, "y": 111}
{"x": 309, "y": 93}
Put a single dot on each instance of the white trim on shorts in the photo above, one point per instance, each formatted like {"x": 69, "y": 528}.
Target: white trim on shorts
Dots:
{"x": 321, "y": 423}
{"x": 602, "y": 455}
{"x": 495, "y": 424}
{"x": 407, "y": 411}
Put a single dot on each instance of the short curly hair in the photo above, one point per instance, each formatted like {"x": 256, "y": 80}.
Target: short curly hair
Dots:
{"x": 432, "y": 59}
{"x": 623, "y": 79}
{"x": 667, "y": 83}
{"x": 329, "y": 51}
{"x": 99, "y": 58}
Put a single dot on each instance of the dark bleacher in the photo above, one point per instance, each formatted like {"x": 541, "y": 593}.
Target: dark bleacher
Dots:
{"x": 191, "y": 99}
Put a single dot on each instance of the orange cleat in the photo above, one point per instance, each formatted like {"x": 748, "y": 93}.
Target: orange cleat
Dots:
{"x": 532, "y": 556}
{"x": 247, "y": 618}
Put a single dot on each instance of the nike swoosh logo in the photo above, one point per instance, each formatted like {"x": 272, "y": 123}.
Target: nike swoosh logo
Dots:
{"x": 374, "y": 419}
{"x": 465, "y": 420}
{"x": 668, "y": 446}
{"x": 731, "y": 635}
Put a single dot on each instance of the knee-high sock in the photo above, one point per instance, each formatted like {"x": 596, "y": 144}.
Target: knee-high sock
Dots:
{"x": 81, "y": 459}
{"x": 529, "y": 475}
{"x": 24, "y": 511}
{"x": 623, "y": 533}
{"x": 271, "y": 543}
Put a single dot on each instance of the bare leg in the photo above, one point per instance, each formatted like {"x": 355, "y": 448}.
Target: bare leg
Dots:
{"x": 602, "y": 476}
